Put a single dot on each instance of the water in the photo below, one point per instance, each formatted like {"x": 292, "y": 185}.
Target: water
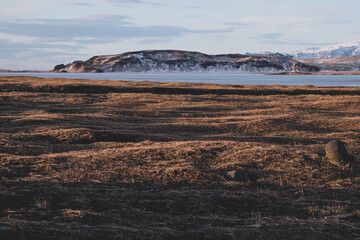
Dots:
{"x": 217, "y": 78}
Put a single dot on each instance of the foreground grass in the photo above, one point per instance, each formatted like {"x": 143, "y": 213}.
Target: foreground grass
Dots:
{"x": 141, "y": 160}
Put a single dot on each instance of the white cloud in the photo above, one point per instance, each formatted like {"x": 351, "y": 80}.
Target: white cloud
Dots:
{"x": 128, "y": 2}
{"x": 99, "y": 28}
{"x": 81, "y": 4}
{"x": 17, "y": 11}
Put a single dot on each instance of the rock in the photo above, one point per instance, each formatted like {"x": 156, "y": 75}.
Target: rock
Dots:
{"x": 230, "y": 175}
{"x": 59, "y": 67}
{"x": 239, "y": 176}
{"x": 77, "y": 66}
{"x": 338, "y": 153}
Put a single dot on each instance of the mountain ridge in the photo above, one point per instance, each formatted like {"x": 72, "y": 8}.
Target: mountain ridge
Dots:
{"x": 331, "y": 51}
{"x": 185, "y": 61}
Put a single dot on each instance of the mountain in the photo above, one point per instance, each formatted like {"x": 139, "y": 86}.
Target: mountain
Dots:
{"x": 339, "y": 50}
{"x": 277, "y": 54}
{"x": 339, "y": 64}
{"x": 185, "y": 61}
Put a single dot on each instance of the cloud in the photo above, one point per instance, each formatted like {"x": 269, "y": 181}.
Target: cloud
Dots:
{"x": 269, "y": 36}
{"x": 82, "y": 4}
{"x": 235, "y": 24}
{"x": 94, "y": 28}
{"x": 36, "y": 55}
{"x": 154, "y": 40}
{"x": 295, "y": 42}
{"x": 127, "y": 2}
{"x": 193, "y": 16}
{"x": 10, "y": 49}
{"x": 281, "y": 39}
{"x": 17, "y": 11}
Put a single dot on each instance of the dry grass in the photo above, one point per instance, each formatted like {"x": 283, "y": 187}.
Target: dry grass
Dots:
{"x": 141, "y": 160}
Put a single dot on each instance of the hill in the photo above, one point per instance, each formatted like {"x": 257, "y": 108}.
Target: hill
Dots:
{"x": 185, "y": 61}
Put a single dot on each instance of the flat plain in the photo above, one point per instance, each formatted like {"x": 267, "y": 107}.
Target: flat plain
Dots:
{"x": 82, "y": 159}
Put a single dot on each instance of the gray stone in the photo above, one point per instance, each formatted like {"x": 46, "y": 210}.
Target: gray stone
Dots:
{"x": 239, "y": 176}
{"x": 338, "y": 153}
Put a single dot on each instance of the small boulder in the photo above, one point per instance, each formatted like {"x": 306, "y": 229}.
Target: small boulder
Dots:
{"x": 338, "y": 153}
{"x": 240, "y": 176}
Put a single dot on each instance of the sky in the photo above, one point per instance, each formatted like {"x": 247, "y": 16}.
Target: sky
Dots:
{"x": 39, "y": 34}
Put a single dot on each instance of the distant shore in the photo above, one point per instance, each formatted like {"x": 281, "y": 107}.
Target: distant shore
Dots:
{"x": 22, "y": 71}
{"x": 316, "y": 73}
{"x": 266, "y": 73}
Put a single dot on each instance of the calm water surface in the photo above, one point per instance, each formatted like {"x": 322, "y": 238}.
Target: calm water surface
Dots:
{"x": 217, "y": 78}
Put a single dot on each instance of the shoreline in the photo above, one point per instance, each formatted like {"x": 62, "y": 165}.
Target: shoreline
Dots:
{"x": 316, "y": 73}
{"x": 265, "y": 73}
{"x": 72, "y": 84}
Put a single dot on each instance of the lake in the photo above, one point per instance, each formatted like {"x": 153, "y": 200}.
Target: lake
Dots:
{"x": 217, "y": 78}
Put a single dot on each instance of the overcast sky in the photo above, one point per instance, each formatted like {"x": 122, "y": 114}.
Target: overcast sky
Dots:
{"x": 38, "y": 34}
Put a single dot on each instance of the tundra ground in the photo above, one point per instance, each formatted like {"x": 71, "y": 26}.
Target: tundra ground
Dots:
{"x": 142, "y": 160}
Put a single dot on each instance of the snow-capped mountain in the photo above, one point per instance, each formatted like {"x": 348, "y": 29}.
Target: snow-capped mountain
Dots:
{"x": 277, "y": 54}
{"x": 339, "y": 50}
{"x": 185, "y": 61}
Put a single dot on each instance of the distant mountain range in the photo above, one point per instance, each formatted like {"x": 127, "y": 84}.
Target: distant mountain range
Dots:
{"x": 185, "y": 61}
{"x": 339, "y": 50}
{"x": 341, "y": 57}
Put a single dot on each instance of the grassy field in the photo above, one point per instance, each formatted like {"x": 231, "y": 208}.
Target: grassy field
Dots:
{"x": 141, "y": 160}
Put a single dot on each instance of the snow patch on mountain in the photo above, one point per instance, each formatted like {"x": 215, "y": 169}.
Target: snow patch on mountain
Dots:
{"x": 339, "y": 50}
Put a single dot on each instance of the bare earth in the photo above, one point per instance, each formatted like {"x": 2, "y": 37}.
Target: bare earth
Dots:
{"x": 141, "y": 160}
